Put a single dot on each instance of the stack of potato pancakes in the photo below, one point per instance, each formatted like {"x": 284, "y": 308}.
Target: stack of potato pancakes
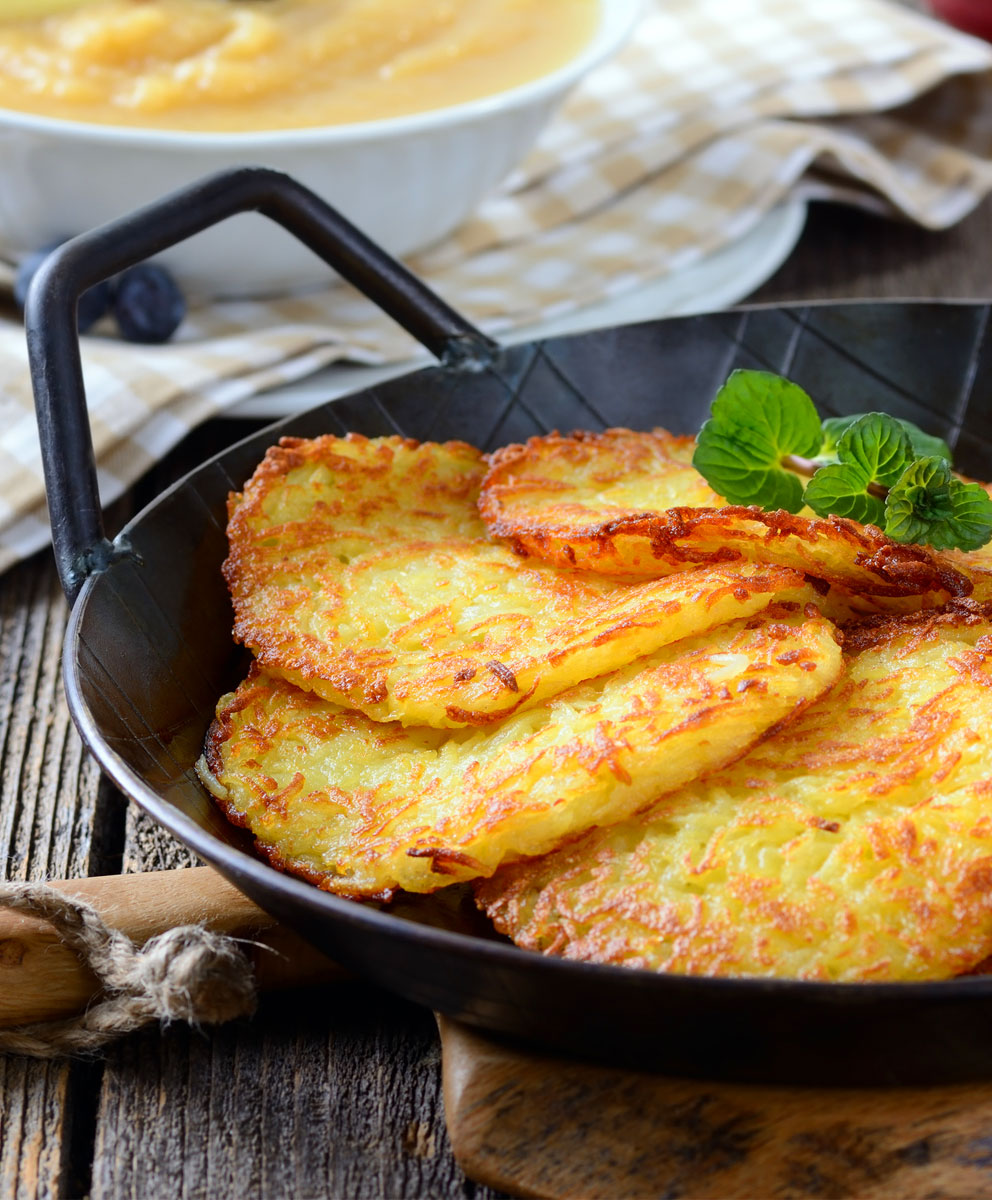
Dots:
{"x": 654, "y": 730}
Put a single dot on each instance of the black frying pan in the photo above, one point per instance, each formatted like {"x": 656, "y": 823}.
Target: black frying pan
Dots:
{"x": 149, "y": 648}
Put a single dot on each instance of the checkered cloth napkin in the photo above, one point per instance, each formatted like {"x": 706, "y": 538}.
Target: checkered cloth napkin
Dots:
{"x": 716, "y": 111}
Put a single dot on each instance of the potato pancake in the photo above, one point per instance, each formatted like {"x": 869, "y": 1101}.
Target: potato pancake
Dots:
{"x": 362, "y": 808}
{"x": 361, "y": 570}
{"x": 628, "y": 503}
{"x": 853, "y": 844}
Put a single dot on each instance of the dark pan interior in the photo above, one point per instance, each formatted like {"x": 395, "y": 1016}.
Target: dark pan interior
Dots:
{"x": 150, "y": 651}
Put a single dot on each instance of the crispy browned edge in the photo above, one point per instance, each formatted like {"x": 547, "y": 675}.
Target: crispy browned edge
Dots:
{"x": 856, "y": 636}
{"x": 903, "y": 570}
{"x": 218, "y": 733}
{"x": 221, "y": 730}
{"x": 239, "y": 569}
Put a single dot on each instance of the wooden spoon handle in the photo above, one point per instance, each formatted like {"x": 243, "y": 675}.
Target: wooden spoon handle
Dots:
{"x": 42, "y": 979}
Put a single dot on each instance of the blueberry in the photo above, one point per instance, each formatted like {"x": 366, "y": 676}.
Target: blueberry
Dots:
{"x": 148, "y": 304}
{"x": 92, "y": 304}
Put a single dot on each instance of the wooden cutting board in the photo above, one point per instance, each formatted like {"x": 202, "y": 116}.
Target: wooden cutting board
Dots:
{"x": 540, "y": 1126}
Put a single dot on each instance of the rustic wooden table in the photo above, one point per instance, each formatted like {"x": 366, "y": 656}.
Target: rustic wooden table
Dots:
{"x": 329, "y": 1094}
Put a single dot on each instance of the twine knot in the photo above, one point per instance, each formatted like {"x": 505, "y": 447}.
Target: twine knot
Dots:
{"x": 188, "y": 974}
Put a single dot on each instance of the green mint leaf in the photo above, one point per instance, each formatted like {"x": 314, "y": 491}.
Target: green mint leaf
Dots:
{"x": 924, "y": 445}
{"x": 719, "y": 461}
{"x": 840, "y": 489}
{"x": 879, "y": 446}
{"x": 756, "y": 420}
{"x": 833, "y": 427}
{"x": 972, "y": 514}
{"x": 929, "y": 505}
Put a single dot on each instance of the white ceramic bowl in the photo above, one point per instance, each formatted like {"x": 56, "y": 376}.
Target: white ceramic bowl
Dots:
{"x": 406, "y": 182}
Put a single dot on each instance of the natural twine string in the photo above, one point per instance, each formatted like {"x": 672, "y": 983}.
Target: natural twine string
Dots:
{"x": 186, "y": 974}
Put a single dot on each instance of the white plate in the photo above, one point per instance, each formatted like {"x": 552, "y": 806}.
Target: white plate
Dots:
{"x": 720, "y": 280}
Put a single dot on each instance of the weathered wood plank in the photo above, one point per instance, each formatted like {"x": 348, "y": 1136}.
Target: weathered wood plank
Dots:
{"x": 51, "y": 801}
{"x": 333, "y": 1093}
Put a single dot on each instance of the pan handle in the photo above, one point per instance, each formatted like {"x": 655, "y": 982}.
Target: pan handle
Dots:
{"x": 81, "y": 546}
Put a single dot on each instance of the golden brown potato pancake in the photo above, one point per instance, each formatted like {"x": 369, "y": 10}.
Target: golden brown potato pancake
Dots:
{"x": 361, "y": 570}
{"x": 628, "y": 503}
{"x": 362, "y": 808}
{"x": 854, "y": 844}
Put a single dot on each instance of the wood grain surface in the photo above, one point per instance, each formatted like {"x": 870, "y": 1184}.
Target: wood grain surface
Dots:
{"x": 336, "y": 1093}
{"x": 546, "y": 1127}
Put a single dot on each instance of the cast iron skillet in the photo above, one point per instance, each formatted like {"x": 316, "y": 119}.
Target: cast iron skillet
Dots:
{"x": 149, "y": 648}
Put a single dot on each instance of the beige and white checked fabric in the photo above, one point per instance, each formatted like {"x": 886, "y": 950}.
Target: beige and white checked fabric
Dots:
{"x": 714, "y": 112}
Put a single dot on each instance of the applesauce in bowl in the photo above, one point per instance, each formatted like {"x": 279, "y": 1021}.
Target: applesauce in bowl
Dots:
{"x": 97, "y": 118}
{"x": 236, "y": 65}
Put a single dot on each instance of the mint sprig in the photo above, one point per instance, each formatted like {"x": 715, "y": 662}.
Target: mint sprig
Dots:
{"x": 841, "y": 490}
{"x": 757, "y": 421}
{"x": 929, "y": 505}
{"x": 871, "y": 453}
{"x": 924, "y": 444}
{"x": 764, "y": 436}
